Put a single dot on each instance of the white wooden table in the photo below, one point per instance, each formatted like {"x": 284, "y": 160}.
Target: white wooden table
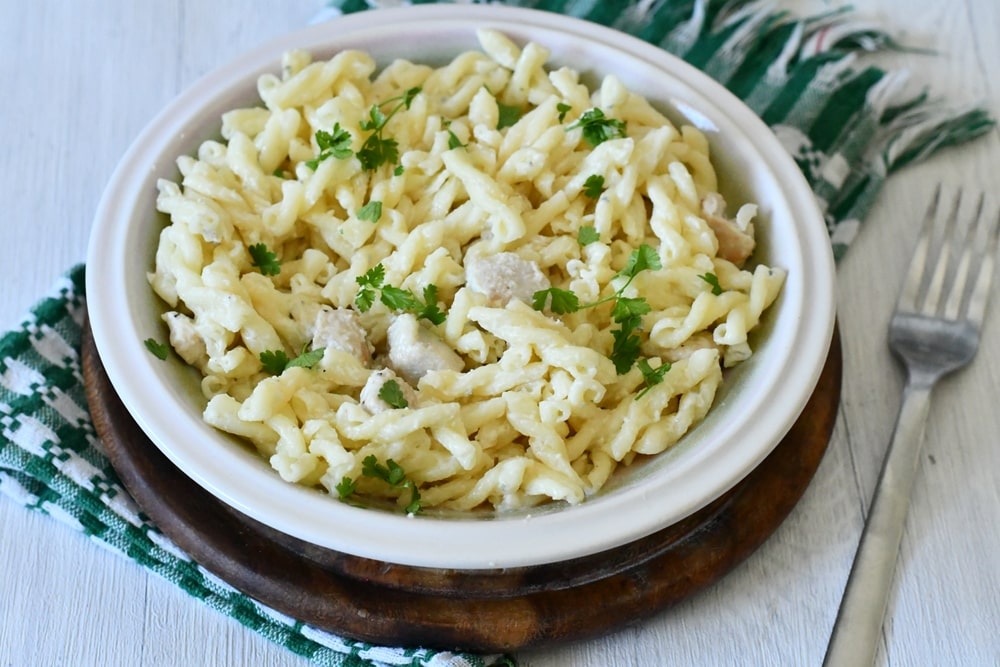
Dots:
{"x": 79, "y": 80}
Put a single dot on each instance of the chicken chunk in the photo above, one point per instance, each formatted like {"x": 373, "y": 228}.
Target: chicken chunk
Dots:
{"x": 503, "y": 277}
{"x": 736, "y": 242}
{"x": 414, "y": 350}
{"x": 374, "y": 403}
{"x": 341, "y": 329}
{"x": 184, "y": 338}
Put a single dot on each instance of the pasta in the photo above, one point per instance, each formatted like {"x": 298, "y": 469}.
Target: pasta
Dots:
{"x": 486, "y": 275}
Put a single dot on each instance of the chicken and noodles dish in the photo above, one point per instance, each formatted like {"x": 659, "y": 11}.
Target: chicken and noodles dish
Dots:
{"x": 480, "y": 285}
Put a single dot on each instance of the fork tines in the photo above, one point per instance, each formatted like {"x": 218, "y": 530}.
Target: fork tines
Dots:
{"x": 948, "y": 252}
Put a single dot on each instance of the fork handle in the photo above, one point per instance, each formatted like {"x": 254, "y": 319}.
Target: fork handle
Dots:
{"x": 858, "y": 627}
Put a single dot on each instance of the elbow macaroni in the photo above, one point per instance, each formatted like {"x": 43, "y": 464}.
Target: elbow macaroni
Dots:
{"x": 538, "y": 413}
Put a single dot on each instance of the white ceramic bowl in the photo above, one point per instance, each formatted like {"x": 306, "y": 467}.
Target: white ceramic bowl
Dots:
{"x": 759, "y": 402}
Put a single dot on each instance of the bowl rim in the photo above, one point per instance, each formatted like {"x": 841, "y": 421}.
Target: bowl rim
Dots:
{"x": 471, "y": 544}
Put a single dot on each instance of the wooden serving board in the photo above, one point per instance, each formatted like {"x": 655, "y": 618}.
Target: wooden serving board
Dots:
{"x": 483, "y": 611}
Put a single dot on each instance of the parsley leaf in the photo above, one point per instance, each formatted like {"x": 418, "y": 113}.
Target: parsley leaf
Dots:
{"x": 453, "y": 141}
{"x": 408, "y": 96}
{"x": 307, "y": 359}
{"x": 642, "y": 258}
{"x": 651, "y": 376}
{"x": 370, "y": 467}
{"x": 507, "y": 115}
{"x": 413, "y": 507}
{"x": 587, "y": 235}
{"x": 392, "y": 394}
{"x": 264, "y": 259}
{"x": 598, "y": 128}
{"x": 373, "y": 276}
{"x": 392, "y": 474}
{"x": 429, "y": 309}
{"x": 712, "y": 280}
{"x": 625, "y": 349}
{"x": 563, "y": 109}
{"x": 376, "y": 120}
{"x": 335, "y": 143}
{"x": 593, "y": 186}
{"x": 627, "y": 307}
{"x": 158, "y": 349}
{"x": 398, "y": 298}
{"x": 627, "y": 312}
{"x": 372, "y": 284}
{"x": 376, "y": 149}
{"x": 276, "y": 361}
{"x": 561, "y": 301}
{"x": 346, "y": 487}
{"x": 371, "y": 211}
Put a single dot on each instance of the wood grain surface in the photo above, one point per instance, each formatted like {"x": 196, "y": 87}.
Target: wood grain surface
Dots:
{"x": 488, "y": 611}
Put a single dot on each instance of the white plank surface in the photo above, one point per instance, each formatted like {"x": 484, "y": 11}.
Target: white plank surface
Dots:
{"x": 81, "y": 79}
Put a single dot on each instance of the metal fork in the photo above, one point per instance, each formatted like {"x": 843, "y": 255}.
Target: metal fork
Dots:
{"x": 933, "y": 331}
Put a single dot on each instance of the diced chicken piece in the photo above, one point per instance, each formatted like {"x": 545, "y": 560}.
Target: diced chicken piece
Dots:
{"x": 184, "y": 338}
{"x": 370, "y": 398}
{"x": 735, "y": 237}
{"x": 415, "y": 350}
{"x": 341, "y": 329}
{"x": 503, "y": 277}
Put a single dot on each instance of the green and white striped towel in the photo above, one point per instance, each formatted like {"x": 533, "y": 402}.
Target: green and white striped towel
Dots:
{"x": 846, "y": 124}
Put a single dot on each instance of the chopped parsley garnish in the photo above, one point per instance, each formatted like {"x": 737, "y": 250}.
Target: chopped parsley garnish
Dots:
{"x": 392, "y": 394}
{"x": 651, "y": 376}
{"x": 158, "y": 349}
{"x": 307, "y": 359}
{"x": 563, "y": 109}
{"x": 371, "y": 211}
{"x": 346, "y": 487}
{"x": 642, "y": 258}
{"x": 628, "y": 307}
{"x": 560, "y": 301}
{"x": 712, "y": 280}
{"x": 372, "y": 284}
{"x": 507, "y": 115}
{"x": 429, "y": 308}
{"x": 335, "y": 143}
{"x": 391, "y": 473}
{"x": 587, "y": 235}
{"x": 398, "y": 298}
{"x": 276, "y": 361}
{"x": 598, "y": 128}
{"x": 626, "y": 348}
{"x": 377, "y": 149}
{"x": 593, "y": 186}
{"x": 453, "y": 141}
{"x": 627, "y": 312}
{"x": 265, "y": 260}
